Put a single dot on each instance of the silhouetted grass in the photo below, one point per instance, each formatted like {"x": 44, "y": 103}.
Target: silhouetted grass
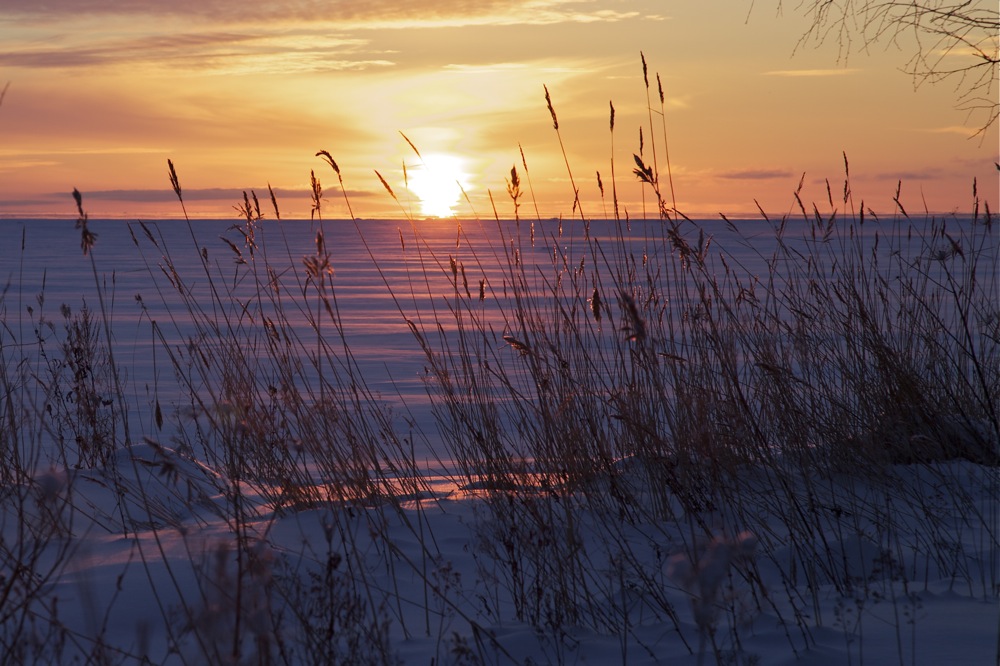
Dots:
{"x": 622, "y": 404}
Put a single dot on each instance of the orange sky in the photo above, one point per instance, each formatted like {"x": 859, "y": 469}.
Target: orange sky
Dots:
{"x": 242, "y": 94}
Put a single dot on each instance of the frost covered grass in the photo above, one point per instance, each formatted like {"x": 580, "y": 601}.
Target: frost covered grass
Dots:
{"x": 645, "y": 450}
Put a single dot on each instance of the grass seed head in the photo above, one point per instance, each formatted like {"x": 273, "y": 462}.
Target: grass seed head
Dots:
{"x": 87, "y": 237}
{"x": 552, "y": 111}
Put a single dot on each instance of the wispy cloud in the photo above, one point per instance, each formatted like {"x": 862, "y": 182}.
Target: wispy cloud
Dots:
{"x": 928, "y": 173}
{"x": 221, "y": 52}
{"x": 192, "y": 194}
{"x": 952, "y": 129}
{"x": 811, "y": 72}
{"x": 14, "y": 165}
{"x": 281, "y": 36}
{"x": 346, "y": 13}
{"x": 18, "y": 153}
{"x": 755, "y": 174}
{"x": 165, "y": 195}
{"x": 487, "y": 68}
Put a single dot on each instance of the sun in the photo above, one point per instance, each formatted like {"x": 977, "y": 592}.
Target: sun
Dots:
{"x": 438, "y": 181}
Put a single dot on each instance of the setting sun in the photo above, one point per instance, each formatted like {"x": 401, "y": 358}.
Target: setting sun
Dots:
{"x": 98, "y": 112}
{"x": 438, "y": 182}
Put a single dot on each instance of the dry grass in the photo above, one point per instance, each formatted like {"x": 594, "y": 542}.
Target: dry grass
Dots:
{"x": 615, "y": 405}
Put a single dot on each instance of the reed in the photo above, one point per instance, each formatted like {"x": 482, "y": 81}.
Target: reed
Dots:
{"x": 650, "y": 434}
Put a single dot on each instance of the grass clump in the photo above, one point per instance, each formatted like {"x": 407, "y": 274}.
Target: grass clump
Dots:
{"x": 667, "y": 428}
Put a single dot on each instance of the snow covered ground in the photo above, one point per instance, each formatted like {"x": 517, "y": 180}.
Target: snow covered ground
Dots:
{"x": 908, "y": 574}
{"x": 427, "y": 485}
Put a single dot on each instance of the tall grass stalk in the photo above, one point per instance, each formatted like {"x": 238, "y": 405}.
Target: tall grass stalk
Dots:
{"x": 655, "y": 434}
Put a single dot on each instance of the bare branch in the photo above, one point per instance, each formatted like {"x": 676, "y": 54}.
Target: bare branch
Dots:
{"x": 948, "y": 40}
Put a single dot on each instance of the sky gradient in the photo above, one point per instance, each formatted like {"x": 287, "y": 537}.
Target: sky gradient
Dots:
{"x": 242, "y": 95}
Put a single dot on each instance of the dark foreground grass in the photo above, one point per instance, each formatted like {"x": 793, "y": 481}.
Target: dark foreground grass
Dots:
{"x": 652, "y": 434}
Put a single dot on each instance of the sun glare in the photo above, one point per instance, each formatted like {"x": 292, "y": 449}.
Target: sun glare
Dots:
{"x": 438, "y": 181}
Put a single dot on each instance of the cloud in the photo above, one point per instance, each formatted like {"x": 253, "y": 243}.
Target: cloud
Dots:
{"x": 488, "y": 68}
{"x": 19, "y": 164}
{"x": 928, "y": 173}
{"x": 345, "y": 13}
{"x": 217, "y": 52}
{"x": 755, "y": 174}
{"x": 18, "y": 153}
{"x": 967, "y": 132}
{"x": 193, "y": 194}
{"x": 546, "y": 66}
{"x": 157, "y": 196}
{"x": 282, "y": 36}
{"x": 811, "y": 72}
{"x": 973, "y": 163}
{"x": 141, "y": 47}
{"x": 42, "y": 200}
